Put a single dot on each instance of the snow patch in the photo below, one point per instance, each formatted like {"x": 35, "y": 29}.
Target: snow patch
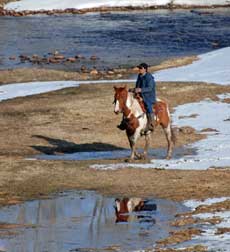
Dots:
{"x": 210, "y": 152}
{"x": 14, "y": 90}
{"x": 212, "y": 67}
{"x": 209, "y": 238}
{"x": 193, "y": 204}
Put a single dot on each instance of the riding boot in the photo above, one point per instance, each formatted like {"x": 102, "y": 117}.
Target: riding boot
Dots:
{"x": 150, "y": 122}
{"x": 122, "y": 125}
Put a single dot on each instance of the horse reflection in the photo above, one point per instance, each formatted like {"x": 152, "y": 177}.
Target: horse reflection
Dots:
{"x": 126, "y": 206}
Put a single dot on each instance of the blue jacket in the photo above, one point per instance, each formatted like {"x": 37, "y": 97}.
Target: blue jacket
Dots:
{"x": 148, "y": 86}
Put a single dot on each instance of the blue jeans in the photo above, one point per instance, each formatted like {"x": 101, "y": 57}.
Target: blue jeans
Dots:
{"x": 149, "y": 107}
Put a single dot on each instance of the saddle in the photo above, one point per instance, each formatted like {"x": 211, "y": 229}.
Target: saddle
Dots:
{"x": 141, "y": 102}
{"x": 157, "y": 108}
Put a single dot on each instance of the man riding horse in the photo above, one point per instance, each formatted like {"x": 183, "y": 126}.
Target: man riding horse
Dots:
{"x": 145, "y": 87}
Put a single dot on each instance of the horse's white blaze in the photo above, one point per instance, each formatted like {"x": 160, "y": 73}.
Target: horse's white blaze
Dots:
{"x": 118, "y": 205}
{"x": 117, "y": 107}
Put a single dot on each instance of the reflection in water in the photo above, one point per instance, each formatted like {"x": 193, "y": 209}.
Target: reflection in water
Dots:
{"x": 127, "y": 208}
{"x": 78, "y": 220}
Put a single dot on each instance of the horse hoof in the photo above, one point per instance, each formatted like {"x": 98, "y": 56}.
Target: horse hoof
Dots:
{"x": 144, "y": 157}
{"x": 129, "y": 160}
{"x": 138, "y": 156}
{"x": 168, "y": 157}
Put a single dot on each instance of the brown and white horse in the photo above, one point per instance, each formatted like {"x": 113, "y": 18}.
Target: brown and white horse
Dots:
{"x": 124, "y": 207}
{"x": 135, "y": 116}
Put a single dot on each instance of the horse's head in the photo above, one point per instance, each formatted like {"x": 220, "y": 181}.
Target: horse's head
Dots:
{"x": 120, "y": 98}
{"x": 121, "y": 210}
{"x": 124, "y": 207}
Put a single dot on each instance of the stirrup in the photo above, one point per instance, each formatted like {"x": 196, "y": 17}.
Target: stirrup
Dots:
{"x": 122, "y": 125}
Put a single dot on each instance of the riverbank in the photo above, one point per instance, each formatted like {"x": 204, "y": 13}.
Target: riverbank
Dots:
{"x": 36, "y": 74}
{"x": 25, "y": 8}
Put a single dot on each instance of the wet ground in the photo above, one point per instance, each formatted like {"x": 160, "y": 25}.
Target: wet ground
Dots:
{"x": 114, "y": 154}
{"x": 118, "y": 39}
{"x": 80, "y": 221}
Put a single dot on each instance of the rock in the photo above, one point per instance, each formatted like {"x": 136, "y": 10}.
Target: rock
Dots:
{"x": 59, "y": 57}
{"x": 35, "y": 56}
{"x": 215, "y": 44}
{"x": 186, "y": 130}
{"x": 79, "y": 56}
{"x": 53, "y": 60}
{"x": 94, "y": 57}
{"x": 24, "y": 58}
{"x": 110, "y": 72}
{"x": 94, "y": 72}
{"x": 72, "y": 60}
{"x": 209, "y": 130}
{"x": 189, "y": 116}
{"x": 83, "y": 69}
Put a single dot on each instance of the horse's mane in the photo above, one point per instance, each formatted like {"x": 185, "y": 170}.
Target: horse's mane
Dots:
{"x": 139, "y": 100}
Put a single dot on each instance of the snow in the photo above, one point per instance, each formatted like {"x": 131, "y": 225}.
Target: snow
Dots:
{"x": 14, "y": 90}
{"x": 209, "y": 237}
{"x": 210, "y": 152}
{"x": 193, "y": 204}
{"x": 24, "y": 89}
{"x": 212, "y": 67}
{"x": 64, "y": 4}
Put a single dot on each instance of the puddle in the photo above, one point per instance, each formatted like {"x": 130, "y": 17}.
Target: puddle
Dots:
{"x": 114, "y": 154}
{"x": 83, "y": 221}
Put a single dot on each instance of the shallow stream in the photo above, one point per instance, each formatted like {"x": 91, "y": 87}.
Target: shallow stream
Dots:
{"x": 117, "y": 38}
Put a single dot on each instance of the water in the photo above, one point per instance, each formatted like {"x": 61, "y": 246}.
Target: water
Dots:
{"x": 118, "y": 38}
{"x": 74, "y": 221}
{"x": 159, "y": 153}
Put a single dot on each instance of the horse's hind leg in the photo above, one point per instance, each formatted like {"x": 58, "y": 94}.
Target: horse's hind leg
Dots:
{"x": 169, "y": 136}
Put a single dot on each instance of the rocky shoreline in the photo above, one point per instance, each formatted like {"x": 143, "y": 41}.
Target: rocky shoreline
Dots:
{"x": 6, "y": 12}
{"x": 39, "y": 72}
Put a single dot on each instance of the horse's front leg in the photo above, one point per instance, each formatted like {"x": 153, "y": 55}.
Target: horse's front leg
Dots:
{"x": 147, "y": 143}
{"x": 132, "y": 147}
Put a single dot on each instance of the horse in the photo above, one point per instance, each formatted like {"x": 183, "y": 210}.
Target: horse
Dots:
{"x": 133, "y": 111}
{"x": 126, "y": 206}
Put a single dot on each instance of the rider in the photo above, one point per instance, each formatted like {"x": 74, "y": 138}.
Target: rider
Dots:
{"x": 145, "y": 86}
